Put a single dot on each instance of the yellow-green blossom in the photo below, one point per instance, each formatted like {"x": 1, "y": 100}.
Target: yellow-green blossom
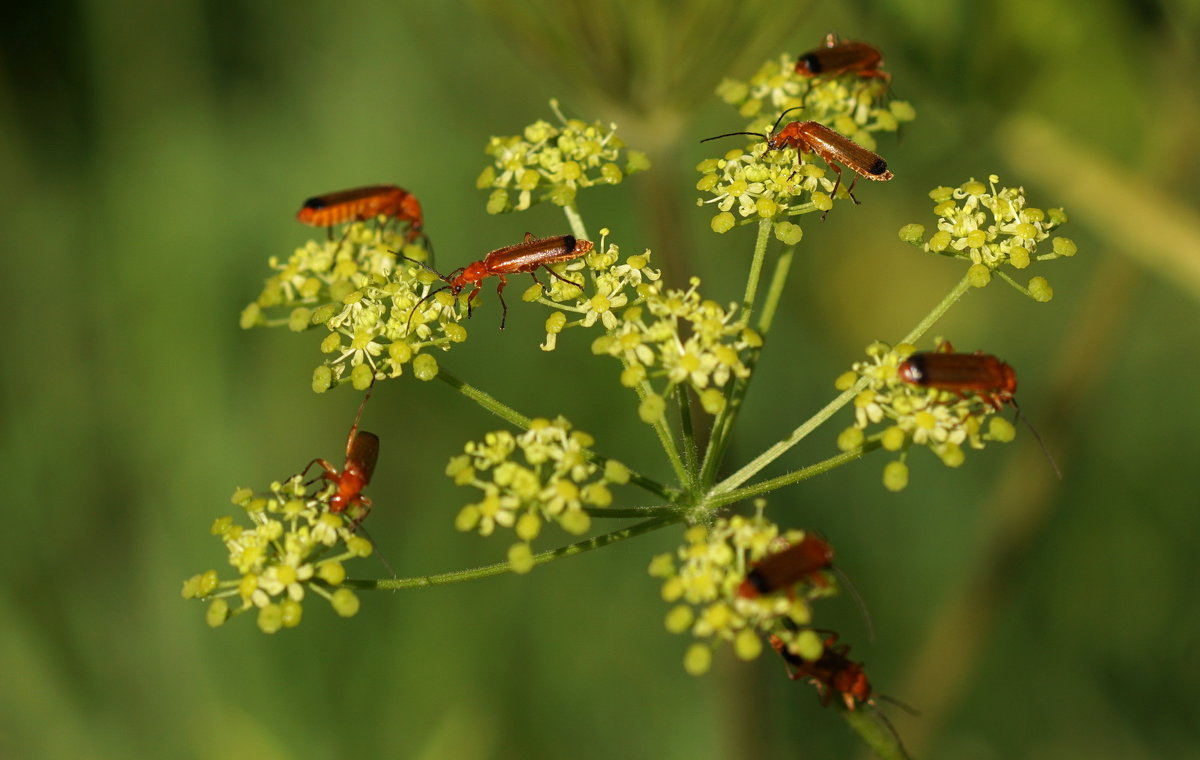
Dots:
{"x": 365, "y": 297}
{"x": 901, "y": 415}
{"x": 551, "y": 162}
{"x": 760, "y": 183}
{"x": 288, "y": 550}
{"x": 552, "y": 480}
{"x": 850, "y": 104}
{"x": 992, "y": 226}
{"x": 701, "y": 581}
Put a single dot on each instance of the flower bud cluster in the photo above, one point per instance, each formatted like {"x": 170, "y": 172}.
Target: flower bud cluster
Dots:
{"x": 702, "y": 579}
{"x": 901, "y": 415}
{"x": 549, "y": 162}
{"x": 364, "y": 295}
{"x": 991, "y": 227}
{"x": 552, "y": 480}
{"x": 290, "y": 549}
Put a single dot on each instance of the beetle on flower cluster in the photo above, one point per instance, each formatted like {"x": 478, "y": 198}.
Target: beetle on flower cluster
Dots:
{"x": 680, "y": 360}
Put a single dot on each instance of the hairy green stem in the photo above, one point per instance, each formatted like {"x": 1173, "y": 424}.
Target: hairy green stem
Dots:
{"x": 756, "y": 264}
{"x": 690, "y": 454}
{"x": 660, "y": 510}
{"x": 665, "y": 438}
{"x": 1016, "y": 285}
{"x": 486, "y": 400}
{"x": 718, "y": 441}
{"x": 499, "y": 568}
{"x": 717, "y": 501}
{"x": 576, "y": 222}
{"x": 777, "y": 450}
{"x": 775, "y": 290}
{"x": 938, "y": 311}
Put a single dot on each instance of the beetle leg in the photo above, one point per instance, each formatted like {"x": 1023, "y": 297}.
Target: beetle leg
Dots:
{"x": 559, "y": 276}
{"x": 500, "y": 293}
{"x": 328, "y": 471}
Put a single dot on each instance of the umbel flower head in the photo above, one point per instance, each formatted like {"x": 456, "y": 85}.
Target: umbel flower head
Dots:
{"x": 763, "y": 183}
{"x": 850, "y": 104}
{"x": 542, "y": 475}
{"x": 990, "y": 227}
{"x": 357, "y": 288}
{"x": 550, "y": 162}
{"x": 664, "y": 338}
{"x": 293, "y": 546}
{"x": 703, "y": 577}
{"x": 901, "y": 415}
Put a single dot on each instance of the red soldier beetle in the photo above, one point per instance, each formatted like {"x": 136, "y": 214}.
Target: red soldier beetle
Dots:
{"x": 833, "y": 147}
{"x": 362, "y": 203}
{"x": 802, "y": 561}
{"x": 843, "y": 57}
{"x": 987, "y": 376}
{"x": 525, "y": 257}
{"x": 805, "y": 560}
{"x": 834, "y": 673}
{"x": 362, "y": 452}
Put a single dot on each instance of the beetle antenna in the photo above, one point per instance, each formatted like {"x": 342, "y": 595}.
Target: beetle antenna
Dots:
{"x": 905, "y": 707}
{"x": 423, "y": 265}
{"x": 731, "y": 134}
{"x": 858, "y": 600}
{"x": 408, "y": 324}
{"x": 387, "y": 565}
{"x": 1038, "y": 438}
{"x": 357, "y": 419}
{"x": 785, "y": 113}
{"x": 887, "y": 722}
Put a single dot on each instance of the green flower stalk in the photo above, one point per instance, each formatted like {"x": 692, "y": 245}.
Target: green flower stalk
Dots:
{"x": 702, "y": 579}
{"x": 549, "y": 162}
{"x": 294, "y": 546}
{"x": 992, "y": 227}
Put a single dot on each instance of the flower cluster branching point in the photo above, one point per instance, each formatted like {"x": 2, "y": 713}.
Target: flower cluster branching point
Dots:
{"x": 288, "y": 551}
{"x": 551, "y": 162}
{"x": 993, "y": 226}
{"x": 664, "y": 338}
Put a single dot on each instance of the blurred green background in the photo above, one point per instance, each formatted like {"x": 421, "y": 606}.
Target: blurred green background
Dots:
{"x": 153, "y": 155}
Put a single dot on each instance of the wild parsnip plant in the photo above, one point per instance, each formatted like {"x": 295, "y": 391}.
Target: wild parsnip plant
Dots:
{"x": 685, "y": 356}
